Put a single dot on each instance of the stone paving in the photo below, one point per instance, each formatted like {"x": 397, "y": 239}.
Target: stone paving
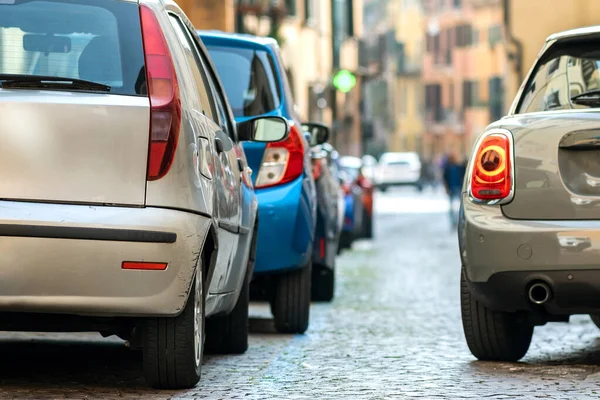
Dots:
{"x": 393, "y": 332}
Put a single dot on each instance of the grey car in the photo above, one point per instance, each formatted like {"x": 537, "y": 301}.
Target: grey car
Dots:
{"x": 529, "y": 228}
{"x": 122, "y": 182}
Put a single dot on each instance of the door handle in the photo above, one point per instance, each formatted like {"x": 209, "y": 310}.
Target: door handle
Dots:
{"x": 219, "y": 145}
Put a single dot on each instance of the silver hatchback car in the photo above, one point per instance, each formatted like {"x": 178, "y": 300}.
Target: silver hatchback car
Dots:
{"x": 125, "y": 203}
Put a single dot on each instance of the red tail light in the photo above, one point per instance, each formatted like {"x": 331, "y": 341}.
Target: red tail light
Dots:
{"x": 165, "y": 103}
{"x": 491, "y": 177}
{"x": 283, "y": 161}
{"x": 346, "y": 188}
{"x": 317, "y": 169}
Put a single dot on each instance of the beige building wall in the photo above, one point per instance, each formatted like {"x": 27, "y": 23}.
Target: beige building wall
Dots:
{"x": 407, "y": 18}
{"x": 306, "y": 51}
{"x": 210, "y": 14}
{"x": 532, "y": 21}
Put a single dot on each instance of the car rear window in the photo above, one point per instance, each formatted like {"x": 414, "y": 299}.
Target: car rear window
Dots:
{"x": 249, "y": 79}
{"x": 93, "y": 40}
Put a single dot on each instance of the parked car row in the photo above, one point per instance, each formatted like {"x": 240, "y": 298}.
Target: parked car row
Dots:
{"x": 155, "y": 179}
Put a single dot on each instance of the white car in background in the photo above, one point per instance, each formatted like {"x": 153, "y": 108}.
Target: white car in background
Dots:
{"x": 398, "y": 169}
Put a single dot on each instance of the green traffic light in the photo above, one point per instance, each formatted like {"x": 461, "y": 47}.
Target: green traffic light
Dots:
{"x": 344, "y": 81}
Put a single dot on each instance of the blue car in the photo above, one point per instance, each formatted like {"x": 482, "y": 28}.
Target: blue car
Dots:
{"x": 256, "y": 84}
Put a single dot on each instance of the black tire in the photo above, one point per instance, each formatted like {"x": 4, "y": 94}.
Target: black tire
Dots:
{"x": 383, "y": 188}
{"x": 345, "y": 241}
{"x": 596, "y": 320}
{"x": 493, "y": 335}
{"x": 323, "y": 283}
{"x": 228, "y": 334}
{"x": 291, "y": 303}
{"x": 367, "y": 225}
{"x": 170, "y": 357}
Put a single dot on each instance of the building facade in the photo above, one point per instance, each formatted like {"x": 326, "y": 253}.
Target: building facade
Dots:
{"x": 525, "y": 39}
{"x": 464, "y": 69}
{"x": 407, "y": 19}
{"x": 210, "y": 14}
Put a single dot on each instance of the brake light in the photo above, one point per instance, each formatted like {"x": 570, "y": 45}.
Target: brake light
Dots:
{"x": 317, "y": 169}
{"x": 491, "y": 177}
{"x": 165, "y": 102}
{"x": 283, "y": 161}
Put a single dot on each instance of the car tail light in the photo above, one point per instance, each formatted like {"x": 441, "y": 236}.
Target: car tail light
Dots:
{"x": 491, "y": 176}
{"x": 347, "y": 188}
{"x": 317, "y": 169}
{"x": 148, "y": 266}
{"x": 283, "y": 161}
{"x": 165, "y": 103}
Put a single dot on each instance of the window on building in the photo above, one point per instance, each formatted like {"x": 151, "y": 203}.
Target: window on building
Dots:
{"x": 496, "y": 103}
{"x": 494, "y": 34}
{"x": 290, "y": 6}
{"x": 433, "y": 102}
{"x": 309, "y": 10}
{"x": 464, "y": 35}
{"x": 451, "y": 95}
{"x": 457, "y": 3}
{"x": 400, "y": 59}
{"x": 470, "y": 94}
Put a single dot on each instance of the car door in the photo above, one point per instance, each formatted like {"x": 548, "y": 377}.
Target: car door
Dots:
{"x": 226, "y": 210}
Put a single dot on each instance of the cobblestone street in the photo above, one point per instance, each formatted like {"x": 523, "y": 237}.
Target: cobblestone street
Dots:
{"x": 393, "y": 332}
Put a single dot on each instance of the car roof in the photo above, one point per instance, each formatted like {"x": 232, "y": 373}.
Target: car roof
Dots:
{"x": 400, "y": 156}
{"x": 236, "y": 39}
{"x": 585, "y": 31}
{"x": 350, "y": 162}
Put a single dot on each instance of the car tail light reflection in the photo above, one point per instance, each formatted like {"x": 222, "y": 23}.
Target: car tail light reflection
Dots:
{"x": 491, "y": 177}
{"x": 165, "y": 102}
{"x": 283, "y": 161}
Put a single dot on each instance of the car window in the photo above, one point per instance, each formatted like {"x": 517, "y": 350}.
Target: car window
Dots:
{"x": 249, "y": 79}
{"x": 223, "y": 115}
{"x": 548, "y": 88}
{"x": 191, "y": 54}
{"x": 93, "y": 40}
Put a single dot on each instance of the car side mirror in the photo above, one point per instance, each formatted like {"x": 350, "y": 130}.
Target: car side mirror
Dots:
{"x": 319, "y": 133}
{"x": 263, "y": 129}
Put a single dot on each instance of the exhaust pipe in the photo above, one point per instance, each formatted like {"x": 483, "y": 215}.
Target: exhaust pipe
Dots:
{"x": 539, "y": 293}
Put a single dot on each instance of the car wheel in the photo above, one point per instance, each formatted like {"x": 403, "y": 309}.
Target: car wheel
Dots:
{"x": 493, "y": 335}
{"x": 173, "y": 346}
{"x": 383, "y": 188}
{"x": 596, "y": 320}
{"x": 323, "y": 283}
{"x": 345, "y": 241}
{"x": 367, "y": 225}
{"x": 228, "y": 334}
{"x": 291, "y": 303}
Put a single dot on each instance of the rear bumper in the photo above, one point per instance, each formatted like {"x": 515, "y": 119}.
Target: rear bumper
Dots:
{"x": 502, "y": 257}
{"x": 286, "y": 230}
{"x": 67, "y": 259}
{"x": 572, "y": 291}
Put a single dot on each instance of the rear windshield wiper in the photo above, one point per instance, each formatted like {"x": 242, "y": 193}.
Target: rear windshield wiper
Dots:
{"x": 589, "y": 98}
{"x": 10, "y": 81}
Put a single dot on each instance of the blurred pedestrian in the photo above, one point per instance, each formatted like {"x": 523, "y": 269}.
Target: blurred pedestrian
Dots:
{"x": 453, "y": 176}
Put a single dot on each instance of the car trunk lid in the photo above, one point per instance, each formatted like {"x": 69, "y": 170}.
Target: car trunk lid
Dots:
{"x": 557, "y": 167}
